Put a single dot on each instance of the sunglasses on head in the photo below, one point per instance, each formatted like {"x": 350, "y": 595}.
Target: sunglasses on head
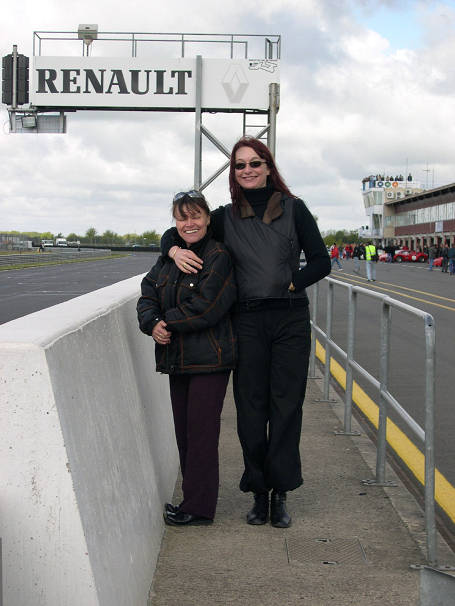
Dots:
{"x": 253, "y": 164}
{"x": 192, "y": 194}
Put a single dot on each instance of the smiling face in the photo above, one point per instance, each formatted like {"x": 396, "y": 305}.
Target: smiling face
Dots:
{"x": 192, "y": 223}
{"x": 249, "y": 177}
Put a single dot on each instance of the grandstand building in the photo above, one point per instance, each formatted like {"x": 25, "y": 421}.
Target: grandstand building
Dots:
{"x": 401, "y": 212}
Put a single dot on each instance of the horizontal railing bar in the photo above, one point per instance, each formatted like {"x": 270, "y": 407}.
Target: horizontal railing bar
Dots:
{"x": 405, "y": 416}
{"x": 278, "y": 36}
{"x": 392, "y": 302}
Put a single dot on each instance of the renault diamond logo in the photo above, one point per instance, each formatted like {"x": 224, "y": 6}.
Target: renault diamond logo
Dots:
{"x": 235, "y": 83}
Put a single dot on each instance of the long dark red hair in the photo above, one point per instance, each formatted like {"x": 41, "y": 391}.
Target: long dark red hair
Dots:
{"x": 275, "y": 180}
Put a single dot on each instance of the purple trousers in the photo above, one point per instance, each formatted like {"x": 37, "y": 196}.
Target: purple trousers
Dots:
{"x": 197, "y": 402}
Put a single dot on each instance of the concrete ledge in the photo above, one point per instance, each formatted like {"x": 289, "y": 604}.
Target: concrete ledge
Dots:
{"x": 88, "y": 453}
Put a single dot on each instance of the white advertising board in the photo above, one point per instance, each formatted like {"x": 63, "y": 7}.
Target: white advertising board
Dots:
{"x": 133, "y": 83}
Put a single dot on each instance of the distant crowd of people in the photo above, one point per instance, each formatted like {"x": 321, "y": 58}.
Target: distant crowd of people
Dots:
{"x": 369, "y": 253}
{"x": 392, "y": 178}
{"x": 356, "y": 252}
{"x": 382, "y": 178}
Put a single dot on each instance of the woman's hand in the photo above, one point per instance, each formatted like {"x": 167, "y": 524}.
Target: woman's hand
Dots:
{"x": 186, "y": 260}
{"x": 160, "y": 334}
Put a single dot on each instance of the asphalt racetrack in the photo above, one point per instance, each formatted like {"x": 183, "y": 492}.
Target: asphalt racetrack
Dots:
{"x": 29, "y": 290}
{"x": 24, "y": 291}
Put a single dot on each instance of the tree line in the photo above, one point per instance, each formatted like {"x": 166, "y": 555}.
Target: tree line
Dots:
{"x": 340, "y": 236}
{"x": 151, "y": 237}
{"x": 92, "y": 236}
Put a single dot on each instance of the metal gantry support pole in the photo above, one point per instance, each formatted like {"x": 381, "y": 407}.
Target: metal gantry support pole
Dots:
{"x": 274, "y": 105}
{"x": 198, "y": 126}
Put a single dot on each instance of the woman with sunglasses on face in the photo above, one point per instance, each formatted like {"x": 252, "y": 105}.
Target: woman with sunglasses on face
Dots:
{"x": 188, "y": 316}
{"x": 265, "y": 229}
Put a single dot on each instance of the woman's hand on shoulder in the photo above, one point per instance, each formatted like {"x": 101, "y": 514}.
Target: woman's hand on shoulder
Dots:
{"x": 186, "y": 260}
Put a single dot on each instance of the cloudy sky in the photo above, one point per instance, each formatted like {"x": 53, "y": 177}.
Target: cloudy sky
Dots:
{"x": 367, "y": 86}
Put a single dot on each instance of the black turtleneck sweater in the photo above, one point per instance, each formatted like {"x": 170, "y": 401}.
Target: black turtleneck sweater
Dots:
{"x": 310, "y": 241}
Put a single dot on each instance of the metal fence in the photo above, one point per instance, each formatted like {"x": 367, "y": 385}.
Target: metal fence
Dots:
{"x": 55, "y": 255}
{"x": 385, "y": 397}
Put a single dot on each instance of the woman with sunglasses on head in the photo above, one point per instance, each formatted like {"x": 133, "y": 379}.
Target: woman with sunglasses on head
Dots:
{"x": 188, "y": 315}
{"x": 265, "y": 229}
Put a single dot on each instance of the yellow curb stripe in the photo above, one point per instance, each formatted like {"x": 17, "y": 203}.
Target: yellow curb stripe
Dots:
{"x": 399, "y": 442}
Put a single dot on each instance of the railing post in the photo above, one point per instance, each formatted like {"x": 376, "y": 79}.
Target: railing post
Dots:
{"x": 328, "y": 337}
{"x": 314, "y": 317}
{"x": 430, "y": 523}
{"x": 328, "y": 332}
{"x": 383, "y": 383}
{"x": 352, "y": 309}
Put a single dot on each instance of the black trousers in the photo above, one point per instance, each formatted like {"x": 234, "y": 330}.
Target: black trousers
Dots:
{"x": 269, "y": 389}
{"x": 197, "y": 402}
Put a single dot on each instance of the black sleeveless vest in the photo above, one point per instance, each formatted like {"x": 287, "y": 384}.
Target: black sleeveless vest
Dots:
{"x": 266, "y": 252}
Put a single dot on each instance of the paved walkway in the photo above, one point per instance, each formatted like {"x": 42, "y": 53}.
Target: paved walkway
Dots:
{"x": 347, "y": 545}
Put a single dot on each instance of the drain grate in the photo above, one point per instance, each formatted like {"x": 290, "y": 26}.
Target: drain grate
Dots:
{"x": 326, "y": 551}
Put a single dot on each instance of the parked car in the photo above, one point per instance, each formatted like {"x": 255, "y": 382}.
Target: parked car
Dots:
{"x": 382, "y": 257}
{"x": 437, "y": 262}
{"x": 410, "y": 255}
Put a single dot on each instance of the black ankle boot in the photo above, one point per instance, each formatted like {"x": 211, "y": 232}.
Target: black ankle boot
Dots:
{"x": 279, "y": 517}
{"x": 260, "y": 512}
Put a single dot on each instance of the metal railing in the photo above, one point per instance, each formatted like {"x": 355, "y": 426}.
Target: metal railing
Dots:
{"x": 385, "y": 397}
{"x": 51, "y": 256}
{"x": 241, "y": 45}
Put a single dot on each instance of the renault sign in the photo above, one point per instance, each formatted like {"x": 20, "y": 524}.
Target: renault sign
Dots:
{"x": 133, "y": 83}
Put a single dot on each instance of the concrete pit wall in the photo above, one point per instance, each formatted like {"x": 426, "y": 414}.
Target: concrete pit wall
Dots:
{"x": 87, "y": 452}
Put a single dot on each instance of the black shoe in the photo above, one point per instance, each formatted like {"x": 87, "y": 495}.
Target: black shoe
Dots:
{"x": 279, "y": 517}
{"x": 169, "y": 508}
{"x": 185, "y": 519}
{"x": 260, "y": 512}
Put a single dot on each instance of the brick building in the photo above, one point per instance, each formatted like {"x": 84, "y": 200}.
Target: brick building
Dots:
{"x": 399, "y": 211}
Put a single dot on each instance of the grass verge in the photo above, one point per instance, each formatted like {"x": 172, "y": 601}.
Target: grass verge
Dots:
{"x": 28, "y": 265}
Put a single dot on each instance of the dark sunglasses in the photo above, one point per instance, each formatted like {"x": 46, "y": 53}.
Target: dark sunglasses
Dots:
{"x": 253, "y": 164}
{"x": 192, "y": 194}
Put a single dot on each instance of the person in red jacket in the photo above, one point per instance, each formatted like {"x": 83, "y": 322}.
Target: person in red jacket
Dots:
{"x": 335, "y": 256}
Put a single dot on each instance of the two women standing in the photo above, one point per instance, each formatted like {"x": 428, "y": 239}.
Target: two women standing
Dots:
{"x": 265, "y": 229}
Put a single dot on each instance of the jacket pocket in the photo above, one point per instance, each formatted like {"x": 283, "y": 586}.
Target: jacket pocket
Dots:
{"x": 215, "y": 344}
{"x": 199, "y": 351}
